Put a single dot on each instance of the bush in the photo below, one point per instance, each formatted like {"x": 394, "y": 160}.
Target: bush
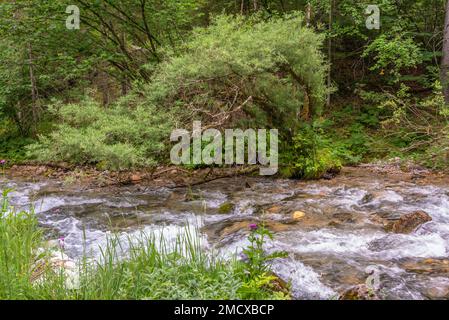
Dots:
{"x": 116, "y": 138}
{"x": 268, "y": 71}
{"x": 310, "y": 156}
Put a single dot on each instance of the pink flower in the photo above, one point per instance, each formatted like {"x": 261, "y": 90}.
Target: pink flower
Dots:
{"x": 253, "y": 226}
{"x": 61, "y": 242}
{"x": 2, "y": 162}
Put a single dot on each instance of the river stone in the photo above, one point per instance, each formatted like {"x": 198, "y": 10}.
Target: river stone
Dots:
{"x": 226, "y": 208}
{"x": 225, "y": 228}
{"x": 277, "y": 284}
{"x": 298, "y": 215}
{"x": 274, "y": 209}
{"x": 359, "y": 292}
{"x": 404, "y": 224}
{"x": 437, "y": 293}
{"x": 135, "y": 178}
{"x": 408, "y": 223}
{"x": 427, "y": 266}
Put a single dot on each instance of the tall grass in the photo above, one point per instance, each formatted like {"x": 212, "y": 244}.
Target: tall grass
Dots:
{"x": 152, "y": 268}
{"x": 18, "y": 238}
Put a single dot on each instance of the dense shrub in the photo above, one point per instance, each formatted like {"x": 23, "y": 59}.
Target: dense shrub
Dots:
{"x": 310, "y": 156}
{"x": 268, "y": 71}
{"x": 118, "y": 137}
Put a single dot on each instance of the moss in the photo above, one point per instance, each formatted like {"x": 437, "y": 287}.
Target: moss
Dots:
{"x": 226, "y": 208}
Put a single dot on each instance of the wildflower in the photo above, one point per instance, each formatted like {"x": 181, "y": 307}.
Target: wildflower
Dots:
{"x": 2, "y": 162}
{"x": 61, "y": 242}
{"x": 253, "y": 226}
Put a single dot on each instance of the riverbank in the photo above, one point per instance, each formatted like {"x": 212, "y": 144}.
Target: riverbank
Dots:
{"x": 180, "y": 177}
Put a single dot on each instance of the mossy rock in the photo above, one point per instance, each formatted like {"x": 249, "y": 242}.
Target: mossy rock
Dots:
{"x": 226, "y": 208}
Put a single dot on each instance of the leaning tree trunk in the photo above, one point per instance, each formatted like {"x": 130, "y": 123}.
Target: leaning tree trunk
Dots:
{"x": 445, "y": 60}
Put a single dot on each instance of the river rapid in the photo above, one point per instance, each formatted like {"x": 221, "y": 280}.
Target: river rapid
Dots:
{"x": 330, "y": 247}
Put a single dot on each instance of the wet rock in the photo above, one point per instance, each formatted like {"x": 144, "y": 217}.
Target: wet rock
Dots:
{"x": 427, "y": 266}
{"x": 223, "y": 229}
{"x": 436, "y": 293}
{"x": 277, "y": 284}
{"x": 367, "y": 198}
{"x": 135, "y": 178}
{"x": 359, "y": 292}
{"x": 226, "y": 208}
{"x": 298, "y": 215}
{"x": 408, "y": 223}
{"x": 343, "y": 217}
{"x": 329, "y": 175}
{"x": 274, "y": 209}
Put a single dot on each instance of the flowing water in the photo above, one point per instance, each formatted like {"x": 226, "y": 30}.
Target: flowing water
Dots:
{"x": 330, "y": 248}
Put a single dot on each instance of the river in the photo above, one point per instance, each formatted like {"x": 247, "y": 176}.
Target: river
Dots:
{"x": 330, "y": 247}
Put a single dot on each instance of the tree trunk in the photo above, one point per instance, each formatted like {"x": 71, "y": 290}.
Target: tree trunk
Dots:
{"x": 329, "y": 48}
{"x": 445, "y": 60}
{"x": 256, "y": 5}
{"x": 34, "y": 92}
{"x": 308, "y": 14}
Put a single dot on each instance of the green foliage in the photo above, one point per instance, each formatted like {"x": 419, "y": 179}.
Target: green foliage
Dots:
{"x": 256, "y": 269}
{"x": 252, "y": 65}
{"x": 152, "y": 269}
{"x": 257, "y": 259}
{"x": 394, "y": 54}
{"x": 40, "y": 58}
{"x": 310, "y": 156}
{"x": 119, "y": 137}
{"x": 413, "y": 127}
{"x": 19, "y": 239}
{"x": 12, "y": 144}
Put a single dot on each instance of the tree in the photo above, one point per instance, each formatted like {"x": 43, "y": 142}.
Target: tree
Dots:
{"x": 445, "y": 60}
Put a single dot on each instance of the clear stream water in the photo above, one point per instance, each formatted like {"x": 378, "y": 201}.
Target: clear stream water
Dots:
{"x": 329, "y": 250}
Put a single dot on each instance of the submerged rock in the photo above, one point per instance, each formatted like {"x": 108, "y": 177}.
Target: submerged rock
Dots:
{"x": 226, "y": 208}
{"x": 405, "y": 224}
{"x": 274, "y": 209}
{"x": 408, "y": 223}
{"x": 437, "y": 292}
{"x": 359, "y": 292}
{"x": 427, "y": 266}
